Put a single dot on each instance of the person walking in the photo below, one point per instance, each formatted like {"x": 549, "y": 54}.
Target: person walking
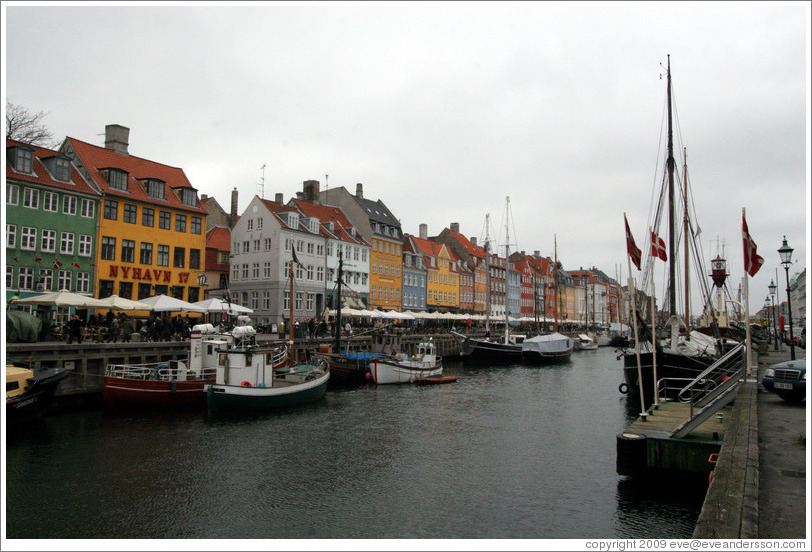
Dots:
{"x": 127, "y": 328}
{"x": 74, "y": 329}
{"x": 113, "y": 330}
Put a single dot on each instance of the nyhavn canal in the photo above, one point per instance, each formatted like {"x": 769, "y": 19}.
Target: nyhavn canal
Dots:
{"x": 505, "y": 452}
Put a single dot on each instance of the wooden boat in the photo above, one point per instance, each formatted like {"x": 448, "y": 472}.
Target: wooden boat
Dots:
{"x": 248, "y": 376}
{"x": 170, "y": 383}
{"x": 548, "y": 348}
{"x": 587, "y": 343}
{"x": 407, "y": 369}
{"x": 29, "y": 392}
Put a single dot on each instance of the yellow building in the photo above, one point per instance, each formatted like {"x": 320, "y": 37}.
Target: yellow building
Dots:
{"x": 151, "y": 237}
{"x": 442, "y": 279}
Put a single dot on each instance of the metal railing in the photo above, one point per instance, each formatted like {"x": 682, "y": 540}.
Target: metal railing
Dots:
{"x": 161, "y": 371}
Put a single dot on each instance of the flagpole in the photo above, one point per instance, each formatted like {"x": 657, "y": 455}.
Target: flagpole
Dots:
{"x": 633, "y": 292}
{"x": 653, "y": 334}
{"x": 747, "y": 312}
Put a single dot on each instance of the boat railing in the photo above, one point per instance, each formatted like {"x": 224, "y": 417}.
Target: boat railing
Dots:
{"x": 161, "y": 371}
{"x": 670, "y": 387}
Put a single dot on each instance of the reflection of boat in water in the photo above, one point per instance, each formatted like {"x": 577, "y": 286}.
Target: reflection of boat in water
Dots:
{"x": 548, "y": 348}
{"x": 29, "y": 392}
{"x": 404, "y": 368}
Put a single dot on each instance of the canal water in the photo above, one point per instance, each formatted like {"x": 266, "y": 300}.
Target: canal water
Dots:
{"x": 515, "y": 452}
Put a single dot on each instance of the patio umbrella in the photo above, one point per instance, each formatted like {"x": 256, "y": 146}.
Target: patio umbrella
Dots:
{"x": 215, "y": 304}
{"x": 63, "y": 298}
{"x": 164, "y": 303}
{"x": 114, "y": 302}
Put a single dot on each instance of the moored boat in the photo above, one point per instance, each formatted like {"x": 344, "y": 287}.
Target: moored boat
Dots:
{"x": 248, "y": 377}
{"x": 170, "y": 383}
{"x": 408, "y": 369}
{"x": 586, "y": 343}
{"x": 547, "y": 348}
{"x": 29, "y": 392}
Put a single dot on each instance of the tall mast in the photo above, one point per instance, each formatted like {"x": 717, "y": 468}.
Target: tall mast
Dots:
{"x": 338, "y": 308}
{"x": 672, "y": 267}
{"x": 487, "y": 274}
{"x": 685, "y": 237}
{"x": 290, "y": 330}
{"x": 555, "y": 278}
{"x": 507, "y": 269}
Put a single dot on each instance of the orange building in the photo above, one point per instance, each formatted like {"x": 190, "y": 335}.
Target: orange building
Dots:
{"x": 150, "y": 236}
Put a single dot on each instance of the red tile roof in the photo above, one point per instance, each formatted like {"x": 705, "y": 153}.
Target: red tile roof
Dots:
{"x": 219, "y": 238}
{"x": 96, "y": 158}
{"x": 41, "y": 175}
{"x": 475, "y": 250}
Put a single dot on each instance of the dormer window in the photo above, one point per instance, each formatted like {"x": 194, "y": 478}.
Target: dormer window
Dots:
{"x": 62, "y": 169}
{"x": 23, "y": 159}
{"x": 156, "y": 188}
{"x": 117, "y": 179}
{"x": 188, "y": 196}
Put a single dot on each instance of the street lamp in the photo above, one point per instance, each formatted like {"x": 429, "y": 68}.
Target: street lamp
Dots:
{"x": 772, "y": 287}
{"x": 785, "y": 252}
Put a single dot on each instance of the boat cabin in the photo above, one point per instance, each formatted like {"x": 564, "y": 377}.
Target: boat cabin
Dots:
{"x": 17, "y": 380}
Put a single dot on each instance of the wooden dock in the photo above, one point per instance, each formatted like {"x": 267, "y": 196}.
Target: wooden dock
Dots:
{"x": 647, "y": 444}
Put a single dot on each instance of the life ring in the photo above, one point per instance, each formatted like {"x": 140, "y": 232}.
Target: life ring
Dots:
{"x": 623, "y": 388}
{"x": 246, "y": 383}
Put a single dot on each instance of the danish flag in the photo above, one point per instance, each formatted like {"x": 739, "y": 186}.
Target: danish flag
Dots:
{"x": 752, "y": 261}
{"x": 57, "y": 264}
{"x": 631, "y": 248}
{"x": 658, "y": 247}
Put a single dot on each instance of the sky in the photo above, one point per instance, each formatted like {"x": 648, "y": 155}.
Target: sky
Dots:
{"x": 444, "y": 110}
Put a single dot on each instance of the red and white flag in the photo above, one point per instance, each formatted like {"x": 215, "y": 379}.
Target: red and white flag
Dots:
{"x": 658, "y": 247}
{"x": 74, "y": 263}
{"x": 752, "y": 261}
{"x": 631, "y": 247}
{"x": 57, "y": 265}
{"x": 37, "y": 259}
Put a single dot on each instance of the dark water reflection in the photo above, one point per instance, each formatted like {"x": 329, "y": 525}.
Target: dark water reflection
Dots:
{"x": 505, "y": 452}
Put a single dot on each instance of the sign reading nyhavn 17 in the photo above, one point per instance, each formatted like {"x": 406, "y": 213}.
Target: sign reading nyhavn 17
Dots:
{"x": 147, "y": 274}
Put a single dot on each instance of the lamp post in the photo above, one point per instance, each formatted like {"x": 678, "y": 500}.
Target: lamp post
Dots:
{"x": 785, "y": 252}
{"x": 772, "y": 287}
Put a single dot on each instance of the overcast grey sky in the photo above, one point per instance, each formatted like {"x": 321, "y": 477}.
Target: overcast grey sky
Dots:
{"x": 443, "y": 110}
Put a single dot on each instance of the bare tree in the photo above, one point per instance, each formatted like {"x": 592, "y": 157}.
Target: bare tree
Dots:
{"x": 27, "y": 127}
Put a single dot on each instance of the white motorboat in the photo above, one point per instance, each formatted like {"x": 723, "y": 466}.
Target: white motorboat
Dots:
{"x": 408, "y": 369}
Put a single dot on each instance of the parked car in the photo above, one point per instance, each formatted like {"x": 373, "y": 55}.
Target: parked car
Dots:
{"x": 787, "y": 380}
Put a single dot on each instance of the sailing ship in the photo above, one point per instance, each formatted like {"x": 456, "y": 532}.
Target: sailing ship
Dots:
{"x": 687, "y": 355}
{"x": 248, "y": 377}
{"x": 487, "y": 350}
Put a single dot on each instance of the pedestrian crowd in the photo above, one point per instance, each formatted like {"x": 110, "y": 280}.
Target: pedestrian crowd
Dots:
{"x": 113, "y": 328}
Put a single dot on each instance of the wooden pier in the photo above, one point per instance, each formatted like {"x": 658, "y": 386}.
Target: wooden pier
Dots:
{"x": 647, "y": 443}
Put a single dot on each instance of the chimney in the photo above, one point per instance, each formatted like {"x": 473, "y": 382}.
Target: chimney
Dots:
{"x": 233, "y": 217}
{"x": 203, "y": 197}
{"x": 455, "y": 227}
{"x": 472, "y": 239}
{"x": 537, "y": 254}
{"x": 424, "y": 231}
{"x": 116, "y": 138}
{"x": 278, "y": 199}
{"x": 311, "y": 191}
{"x": 359, "y": 191}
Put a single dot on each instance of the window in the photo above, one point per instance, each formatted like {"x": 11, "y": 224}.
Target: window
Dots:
{"x": 127, "y": 251}
{"x": 266, "y": 269}
{"x": 255, "y": 271}
{"x": 12, "y": 195}
{"x": 130, "y": 213}
{"x": 180, "y": 257}
{"x": 117, "y": 179}
{"x": 48, "y": 244}
{"x": 110, "y": 209}
{"x": 267, "y": 243}
{"x": 180, "y": 223}
{"x": 82, "y": 282}
{"x": 62, "y": 170}
{"x": 144, "y": 291}
{"x": 197, "y": 225}
{"x": 88, "y": 208}
{"x": 24, "y": 159}
{"x": 245, "y": 271}
{"x": 249, "y": 224}
{"x": 105, "y": 288}
{"x": 188, "y": 197}
{"x": 194, "y": 259}
{"x": 63, "y": 280}
{"x": 164, "y": 220}
{"x": 125, "y": 290}
{"x": 155, "y": 188}
{"x": 85, "y": 245}
{"x": 163, "y": 255}
{"x": 194, "y": 294}
{"x": 31, "y": 198}
{"x": 25, "y": 278}
{"x": 11, "y": 236}
{"x": 66, "y": 246}
{"x": 69, "y": 203}
{"x": 108, "y": 248}
{"x": 148, "y": 217}
{"x": 146, "y": 253}
{"x": 50, "y": 201}
{"x": 28, "y": 238}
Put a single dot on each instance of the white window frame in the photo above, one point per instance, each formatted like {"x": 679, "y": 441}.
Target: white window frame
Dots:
{"x": 48, "y": 241}
{"x": 67, "y": 243}
{"x": 30, "y": 198}
{"x": 88, "y": 208}
{"x": 11, "y": 235}
{"x": 50, "y": 201}
{"x": 28, "y": 238}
